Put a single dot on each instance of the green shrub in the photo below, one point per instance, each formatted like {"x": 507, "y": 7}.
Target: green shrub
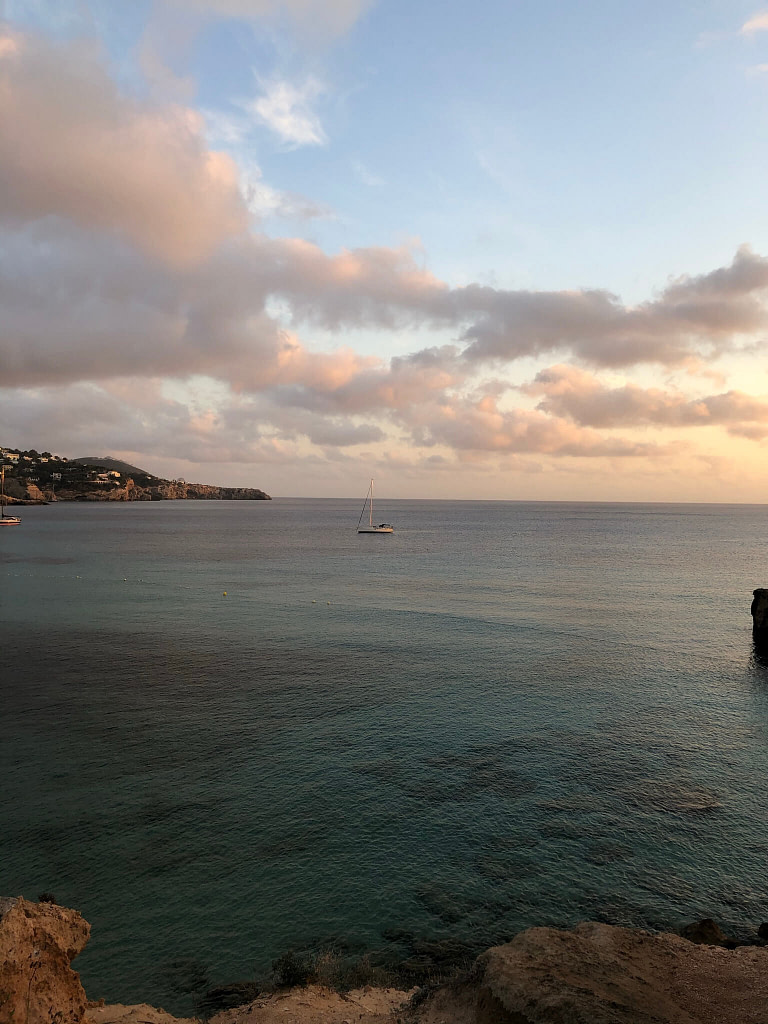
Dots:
{"x": 294, "y": 969}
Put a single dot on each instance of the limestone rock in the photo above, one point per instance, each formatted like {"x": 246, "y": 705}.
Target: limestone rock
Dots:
{"x": 318, "y": 1005}
{"x": 37, "y": 943}
{"x": 140, "y": 1013}
{"x": 598, "y": 974}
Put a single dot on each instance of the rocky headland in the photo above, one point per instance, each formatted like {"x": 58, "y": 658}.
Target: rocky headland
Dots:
{"x": 35, "y": 479}
{"x": 592, "y": 974}
{"x": 163, "y": 490}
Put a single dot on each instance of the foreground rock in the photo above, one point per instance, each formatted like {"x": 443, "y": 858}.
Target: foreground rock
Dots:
{"x": 594, "y": 974}
{"x": 598, "y": 974}
{"x": 708, "y": 933}
{"x": 37, "y": 943}
{"x": 139, "y": 1013}
{"x": 317, "y": 1005}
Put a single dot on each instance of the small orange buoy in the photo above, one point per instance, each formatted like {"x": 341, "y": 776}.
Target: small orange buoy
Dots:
{"x": 223, "y": 593}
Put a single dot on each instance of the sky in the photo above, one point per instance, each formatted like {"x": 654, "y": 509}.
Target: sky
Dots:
{"x": 515, "y": 249}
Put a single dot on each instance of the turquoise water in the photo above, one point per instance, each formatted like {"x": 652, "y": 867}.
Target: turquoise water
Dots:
{"x": 504, "y": 714}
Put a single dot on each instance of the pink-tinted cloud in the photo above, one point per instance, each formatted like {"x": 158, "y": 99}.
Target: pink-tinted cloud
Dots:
{"x": 128, "y": 258}
{"x": 757, "y": 23}
{"x": 77, "y": 151}
{"x": 479, "y": 425}
{"x": 578, "y": 396}
{"x": 692, "y": 319}
{"x": 72, "y": 145}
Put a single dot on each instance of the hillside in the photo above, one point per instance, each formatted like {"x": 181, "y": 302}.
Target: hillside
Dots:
{"x": 106, "y": 462}
{"x": 34, "y": 478}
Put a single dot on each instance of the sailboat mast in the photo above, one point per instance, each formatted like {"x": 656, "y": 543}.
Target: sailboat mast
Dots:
{"x": 370, "y": 507}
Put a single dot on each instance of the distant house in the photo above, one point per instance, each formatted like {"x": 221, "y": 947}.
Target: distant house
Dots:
{"x": 114, "y": 472}
{"x": 55, "y": 476}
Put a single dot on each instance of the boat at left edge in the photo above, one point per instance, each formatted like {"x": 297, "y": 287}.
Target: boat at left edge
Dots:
{"x": 4, "y": 519}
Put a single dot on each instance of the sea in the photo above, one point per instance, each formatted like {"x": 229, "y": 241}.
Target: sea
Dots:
{"x": 234, "y": 729}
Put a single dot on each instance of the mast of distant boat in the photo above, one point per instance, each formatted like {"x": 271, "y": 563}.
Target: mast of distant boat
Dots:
{"x": 369, "y": 500}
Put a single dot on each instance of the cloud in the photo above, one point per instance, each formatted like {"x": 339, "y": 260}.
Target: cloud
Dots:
{"x": 262, "y": 199}
{"x": 265, "y": 201}
{"x": 366, "y": 176}
{"x": 467, "y": 424}
{"x": 129, "y": 258}
{"x": 693, "y": 318}
{"x": 286, "y": 109}
{"x": 578, "y": 396}
{"x": 757, "y": 23}
{"x": 76, "y": 147}
{"x": 78, "y": 305}
{"x": 326, "y": 17}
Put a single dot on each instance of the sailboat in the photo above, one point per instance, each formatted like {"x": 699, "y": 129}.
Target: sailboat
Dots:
{"x": 4, "y": 519}
{"x": 370, "y": 528}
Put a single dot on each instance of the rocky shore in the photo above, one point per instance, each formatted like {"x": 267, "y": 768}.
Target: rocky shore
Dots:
{"x": 20, "y": 493}
{"x": 592, "y": 974}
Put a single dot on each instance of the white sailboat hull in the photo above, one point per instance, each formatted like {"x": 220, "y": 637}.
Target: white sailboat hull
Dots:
{"x": 376, "y": 529}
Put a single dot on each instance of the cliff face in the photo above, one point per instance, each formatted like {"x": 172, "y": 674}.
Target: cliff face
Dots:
{"x": 37, "y": 943}
{"x": 164, "y": 490}
{"x": 175, "y": 490}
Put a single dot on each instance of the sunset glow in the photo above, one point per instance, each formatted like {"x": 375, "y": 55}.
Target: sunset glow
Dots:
{"x": 514, "y": 252}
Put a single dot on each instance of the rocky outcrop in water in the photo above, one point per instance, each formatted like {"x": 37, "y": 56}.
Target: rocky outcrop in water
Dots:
{"x": 759, "y": 612}
{"x": 37, "y": 943}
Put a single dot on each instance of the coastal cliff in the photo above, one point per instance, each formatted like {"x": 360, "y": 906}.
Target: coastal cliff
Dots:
{"x": 592, "y": 974}
{"x": 163, "y": 490}
{"x": 37, "y": 943}
{"x": 35, "y": 479}
{"x": 18, "y": 493}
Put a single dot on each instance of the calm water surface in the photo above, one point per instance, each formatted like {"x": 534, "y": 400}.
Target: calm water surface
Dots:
{"x": 504, "y": 714}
